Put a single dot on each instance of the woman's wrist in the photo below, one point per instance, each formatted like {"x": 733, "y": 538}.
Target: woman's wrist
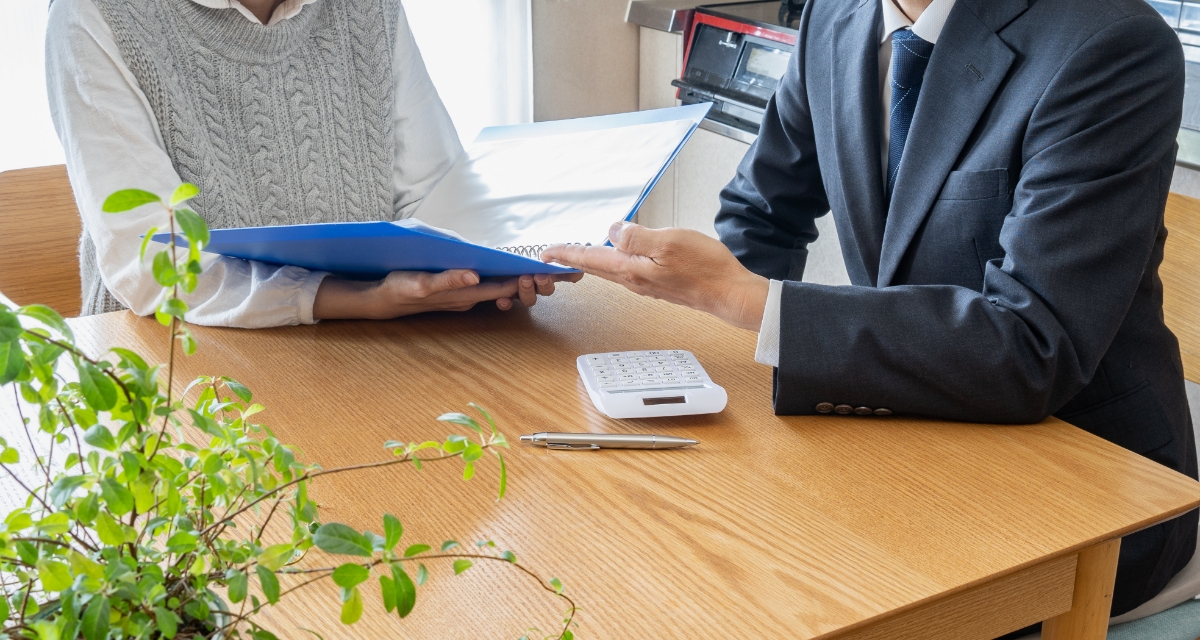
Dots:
{"x": 345, "y": 299}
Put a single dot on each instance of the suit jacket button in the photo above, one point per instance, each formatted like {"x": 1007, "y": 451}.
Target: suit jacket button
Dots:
{"x": 824, "y": 407}
{"x": 883, "y": 412}
{"x": 844, "y": 409}
{"x": 862, "y": 411}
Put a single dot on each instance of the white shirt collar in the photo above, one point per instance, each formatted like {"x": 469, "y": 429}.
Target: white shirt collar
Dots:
{"x": 288, "y": 9}
{"x": 928, "y": 26}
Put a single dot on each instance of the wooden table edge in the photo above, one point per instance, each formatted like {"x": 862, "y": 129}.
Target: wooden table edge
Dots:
{"x": 1075, "y": 550}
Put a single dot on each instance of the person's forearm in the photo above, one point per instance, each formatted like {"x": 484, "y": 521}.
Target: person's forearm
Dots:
{"x": 339, "y": 299}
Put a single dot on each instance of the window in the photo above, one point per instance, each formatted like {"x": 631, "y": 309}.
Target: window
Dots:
{"x": 1184, "y": 17}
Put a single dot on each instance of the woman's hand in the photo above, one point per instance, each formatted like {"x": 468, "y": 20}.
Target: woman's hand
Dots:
{"x": 404, "y": 293}
{"x": 677, "y": 265}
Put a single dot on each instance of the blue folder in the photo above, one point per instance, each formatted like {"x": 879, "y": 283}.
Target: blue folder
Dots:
{"x": 371, "y": 250}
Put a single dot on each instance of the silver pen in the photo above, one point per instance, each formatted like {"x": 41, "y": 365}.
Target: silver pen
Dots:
{"x": 607, "y": 441}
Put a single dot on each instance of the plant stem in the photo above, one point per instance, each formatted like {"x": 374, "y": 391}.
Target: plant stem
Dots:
{"x": 323, "y": 472}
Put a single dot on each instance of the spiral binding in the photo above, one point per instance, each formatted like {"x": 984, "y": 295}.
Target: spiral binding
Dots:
{"x": 532, "y": 250}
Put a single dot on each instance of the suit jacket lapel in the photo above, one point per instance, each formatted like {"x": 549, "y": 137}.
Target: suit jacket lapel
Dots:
{"x": 968, "y": 64}
{"x": 856, "y": 128}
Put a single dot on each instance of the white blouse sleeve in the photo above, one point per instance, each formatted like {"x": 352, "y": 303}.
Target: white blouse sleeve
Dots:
{"x": 112, "y": 142}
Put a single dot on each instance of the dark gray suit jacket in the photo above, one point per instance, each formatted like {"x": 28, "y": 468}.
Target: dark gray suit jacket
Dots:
{"x": 1014, "y": 275}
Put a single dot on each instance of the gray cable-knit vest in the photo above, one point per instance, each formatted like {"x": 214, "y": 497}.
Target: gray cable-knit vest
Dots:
{"x": 285, "y": 124}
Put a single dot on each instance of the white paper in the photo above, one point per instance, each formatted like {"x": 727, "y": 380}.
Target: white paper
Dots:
{"x": 550, "y": 189}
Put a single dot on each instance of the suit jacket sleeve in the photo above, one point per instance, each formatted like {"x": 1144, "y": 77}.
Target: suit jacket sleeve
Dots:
{"x": 767, "y": 211}
{"x": 1097, "y": 159}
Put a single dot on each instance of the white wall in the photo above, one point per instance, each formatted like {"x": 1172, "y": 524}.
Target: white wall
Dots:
{"x": 27, "y": 137}
{"x": 483, "y": 71}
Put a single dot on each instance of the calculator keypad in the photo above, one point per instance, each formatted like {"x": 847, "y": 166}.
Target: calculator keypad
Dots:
{"x": 630, "y": 370}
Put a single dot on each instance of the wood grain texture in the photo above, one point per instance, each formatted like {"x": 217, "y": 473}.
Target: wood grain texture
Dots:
{"x": 39, "y": 239}
{"x": 1180, "y": 273}
{"x": 797, "y": 527}
{"x": 1092, "y": 601}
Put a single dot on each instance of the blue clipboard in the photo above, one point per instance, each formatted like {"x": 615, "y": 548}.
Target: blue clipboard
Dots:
{"x": 371, "y": 250}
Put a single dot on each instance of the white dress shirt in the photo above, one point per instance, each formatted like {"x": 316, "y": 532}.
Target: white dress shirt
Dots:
{"x": 927, "y": 27}
{"x": 112, "y": 141}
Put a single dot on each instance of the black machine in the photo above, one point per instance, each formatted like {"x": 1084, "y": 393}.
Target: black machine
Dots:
{"x": 735, "y": 55}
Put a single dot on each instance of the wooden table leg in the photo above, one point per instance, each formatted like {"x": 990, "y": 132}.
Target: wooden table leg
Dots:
{"x": 1095, "y": 574}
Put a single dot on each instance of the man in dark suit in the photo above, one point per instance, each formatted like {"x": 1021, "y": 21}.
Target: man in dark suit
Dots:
{"x": 1001, "y": 220}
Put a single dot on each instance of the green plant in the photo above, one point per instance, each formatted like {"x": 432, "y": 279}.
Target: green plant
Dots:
{"x": 144, "y": 505}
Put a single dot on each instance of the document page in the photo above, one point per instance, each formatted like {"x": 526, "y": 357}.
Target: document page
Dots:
{"x": 550, "y": 189}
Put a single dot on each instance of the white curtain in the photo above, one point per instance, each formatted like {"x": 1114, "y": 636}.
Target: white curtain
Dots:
{"x": 478, "y": 52}
{"x": 480, "y": 56}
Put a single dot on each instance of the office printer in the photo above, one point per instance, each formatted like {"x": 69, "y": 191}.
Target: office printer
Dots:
{"x": 734, "y": 56}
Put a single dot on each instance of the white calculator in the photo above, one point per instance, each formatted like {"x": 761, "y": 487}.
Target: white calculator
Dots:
{"x": 649, "y": 384}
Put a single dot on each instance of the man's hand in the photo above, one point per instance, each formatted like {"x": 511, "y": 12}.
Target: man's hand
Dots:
{"x": 677, "y": 265}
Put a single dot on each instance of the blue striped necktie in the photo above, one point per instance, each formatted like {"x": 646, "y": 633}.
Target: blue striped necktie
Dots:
{"x": 910, "y": 56}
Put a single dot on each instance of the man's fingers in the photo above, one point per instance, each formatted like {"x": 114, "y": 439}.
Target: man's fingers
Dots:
{"x": 544, "y": 284}
{"x": 635, "y": 239}
{"x": 602, "y": 261}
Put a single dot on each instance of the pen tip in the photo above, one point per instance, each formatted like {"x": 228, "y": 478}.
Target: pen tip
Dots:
{"x": 526, "y": 438}
{"x": 693, "y": 442}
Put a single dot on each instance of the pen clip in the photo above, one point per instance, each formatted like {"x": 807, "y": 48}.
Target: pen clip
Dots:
{"x": 571, "y": 447}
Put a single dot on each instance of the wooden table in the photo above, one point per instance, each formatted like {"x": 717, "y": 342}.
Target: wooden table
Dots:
{"x": 796, "y": 527}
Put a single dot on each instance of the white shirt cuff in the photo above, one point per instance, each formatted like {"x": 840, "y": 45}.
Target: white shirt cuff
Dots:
{"x": 768, "y": 334}
{"x": 308, "y": 296}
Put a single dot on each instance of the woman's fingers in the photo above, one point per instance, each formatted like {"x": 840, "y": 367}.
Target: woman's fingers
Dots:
{"x": 526, "y": 291}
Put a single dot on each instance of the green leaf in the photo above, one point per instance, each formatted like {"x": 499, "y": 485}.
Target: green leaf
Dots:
{"x": 275, "y": 556}
{"x": 392, "y": 530}
{"x": 415, "y": 549}
{"x": 12, "y": 361}
{"x": 503, "y": 477}
{"x": 422, "y": 574}
{"x": 54, "y": 524}
{"x": 557, "y": 584}
{"x": 510, "y": 556}
{"x": 181, "y": 542}
{"x": 4, "y": 610}
{"x": 240, "y": 390}
{"x": 143, "y": 493}
{"x": 65, "y": 486}
{"x": 473, "y": 452}
{"x": 87, "y": 508}
{"x": 193, "y": 227}
{"x": 97, "y": 388}
{"x": 164, "y": 270}
{"x": 449, "y": 544}
{"x": 99, "y": 436}
{"x": 145, "y": 243}
{"x": 454, "y": 443}
{"x": 461, "y": 566}
{"x": 238, "y": 583}
{"x": 387, "y": 588}
{"x": 81, "y": 564}
{"x": 406, "y": 591}
{"x": 55, "y": 576}
{"x": 269, "y": 582}
{"x": 10, "y": 326}
{"x": 350, "y": 575}
{"x": 94, "y": 625}
{"x": 485, "y": 415}
{"x": 184, "y": 192}
{"x": 110, "y": 531}
{"x": 127, "y": 199}
{"x": 48, "y": 317}
{"x": 167, "y": 622}
{"x": 10, "y": 456}
{"x": 116, "y": 496}
{"x": 338, "y": 538}
{"x": 352, "y": 608}
{"x": 173, "y": 307}
{"x": 468, "y": 471}
{"x": 462, "y": 419}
